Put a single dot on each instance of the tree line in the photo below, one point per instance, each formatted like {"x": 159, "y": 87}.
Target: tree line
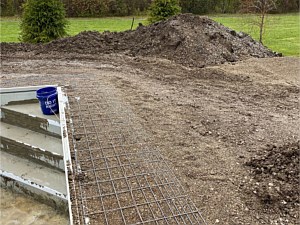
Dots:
{"x": 102, "y": 8}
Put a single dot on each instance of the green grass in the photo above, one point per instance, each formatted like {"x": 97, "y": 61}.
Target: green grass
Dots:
{"x": 76, "y": 25}
{"x": 282, "y": 31}
{"x": 10, "y": 30}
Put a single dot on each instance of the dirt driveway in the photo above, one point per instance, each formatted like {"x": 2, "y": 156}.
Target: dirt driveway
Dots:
{"x": 217, "y": 127}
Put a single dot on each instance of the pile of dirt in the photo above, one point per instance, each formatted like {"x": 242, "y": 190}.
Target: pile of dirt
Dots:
{"x": 187, "y": 39}
{"x": 276, "y": 178}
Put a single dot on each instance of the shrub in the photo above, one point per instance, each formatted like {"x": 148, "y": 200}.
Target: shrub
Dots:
{"x": 163, "y": 9}
{"x": 43, "y": 21}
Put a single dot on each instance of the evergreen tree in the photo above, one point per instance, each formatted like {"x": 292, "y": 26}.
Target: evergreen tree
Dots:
{"x": 43, "y": 21}
{"x": 163, "y": 9}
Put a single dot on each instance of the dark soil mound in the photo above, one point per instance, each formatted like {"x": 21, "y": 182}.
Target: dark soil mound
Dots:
{"x": 186, "y": 39}
{"x": 276, "y": 175}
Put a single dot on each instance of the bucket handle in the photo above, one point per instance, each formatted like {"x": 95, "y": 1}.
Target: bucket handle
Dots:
{"x": 51, "y": 107}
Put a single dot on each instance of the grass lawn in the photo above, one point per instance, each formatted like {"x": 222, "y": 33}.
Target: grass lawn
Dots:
{"x": 10, "y": 30}
{"x": 282, "y": 31}
{"x": 76, "y": 25}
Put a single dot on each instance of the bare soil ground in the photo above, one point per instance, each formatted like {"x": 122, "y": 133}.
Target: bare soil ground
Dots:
{"x": 230, "y": 132}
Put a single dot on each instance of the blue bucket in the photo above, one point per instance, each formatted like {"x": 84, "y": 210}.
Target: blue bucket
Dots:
{"x": 48, "y": 100}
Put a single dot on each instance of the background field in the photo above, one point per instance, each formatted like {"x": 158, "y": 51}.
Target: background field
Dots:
{"x": 282, "y": 31}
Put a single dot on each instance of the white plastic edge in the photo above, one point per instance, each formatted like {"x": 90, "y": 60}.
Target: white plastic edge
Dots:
{"x": 63, "y": 104}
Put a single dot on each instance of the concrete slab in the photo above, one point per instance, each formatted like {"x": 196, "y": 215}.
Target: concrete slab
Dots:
{"x": 32, "y": 109}
{"x": 40, "y": 156}
{"x": 19, "y": 94}
{"x": 35, "y": 173}
{"x": 31, "y": 122}
{"x": 28, "y": 137}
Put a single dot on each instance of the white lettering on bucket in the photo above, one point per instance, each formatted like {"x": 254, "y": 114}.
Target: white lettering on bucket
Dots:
{"x": 50, "y": 104}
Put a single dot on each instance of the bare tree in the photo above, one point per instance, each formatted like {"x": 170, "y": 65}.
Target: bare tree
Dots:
{"x": 261, "y": 8}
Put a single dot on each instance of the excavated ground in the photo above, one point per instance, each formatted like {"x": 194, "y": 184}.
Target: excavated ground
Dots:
{"x": 185, "y": 39}
{"x": 230, "y": 132}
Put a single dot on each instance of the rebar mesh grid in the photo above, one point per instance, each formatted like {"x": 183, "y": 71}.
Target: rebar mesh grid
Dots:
{"x": 119, "y": 176}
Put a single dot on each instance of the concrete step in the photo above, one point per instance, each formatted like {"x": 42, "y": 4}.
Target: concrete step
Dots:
{"x": 42, "y": 183}
{"x": 32, "y": 159}
{"x": 27, "y": 114}
{"x": 39, "y": 148}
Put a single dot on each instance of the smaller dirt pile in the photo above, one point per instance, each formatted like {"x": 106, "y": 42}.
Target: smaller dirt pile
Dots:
{"x": 276, "y": 177}
{"x": 187, "y": 39}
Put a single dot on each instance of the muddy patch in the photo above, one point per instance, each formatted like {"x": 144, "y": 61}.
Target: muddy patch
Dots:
{"x": 18, "y": 209}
